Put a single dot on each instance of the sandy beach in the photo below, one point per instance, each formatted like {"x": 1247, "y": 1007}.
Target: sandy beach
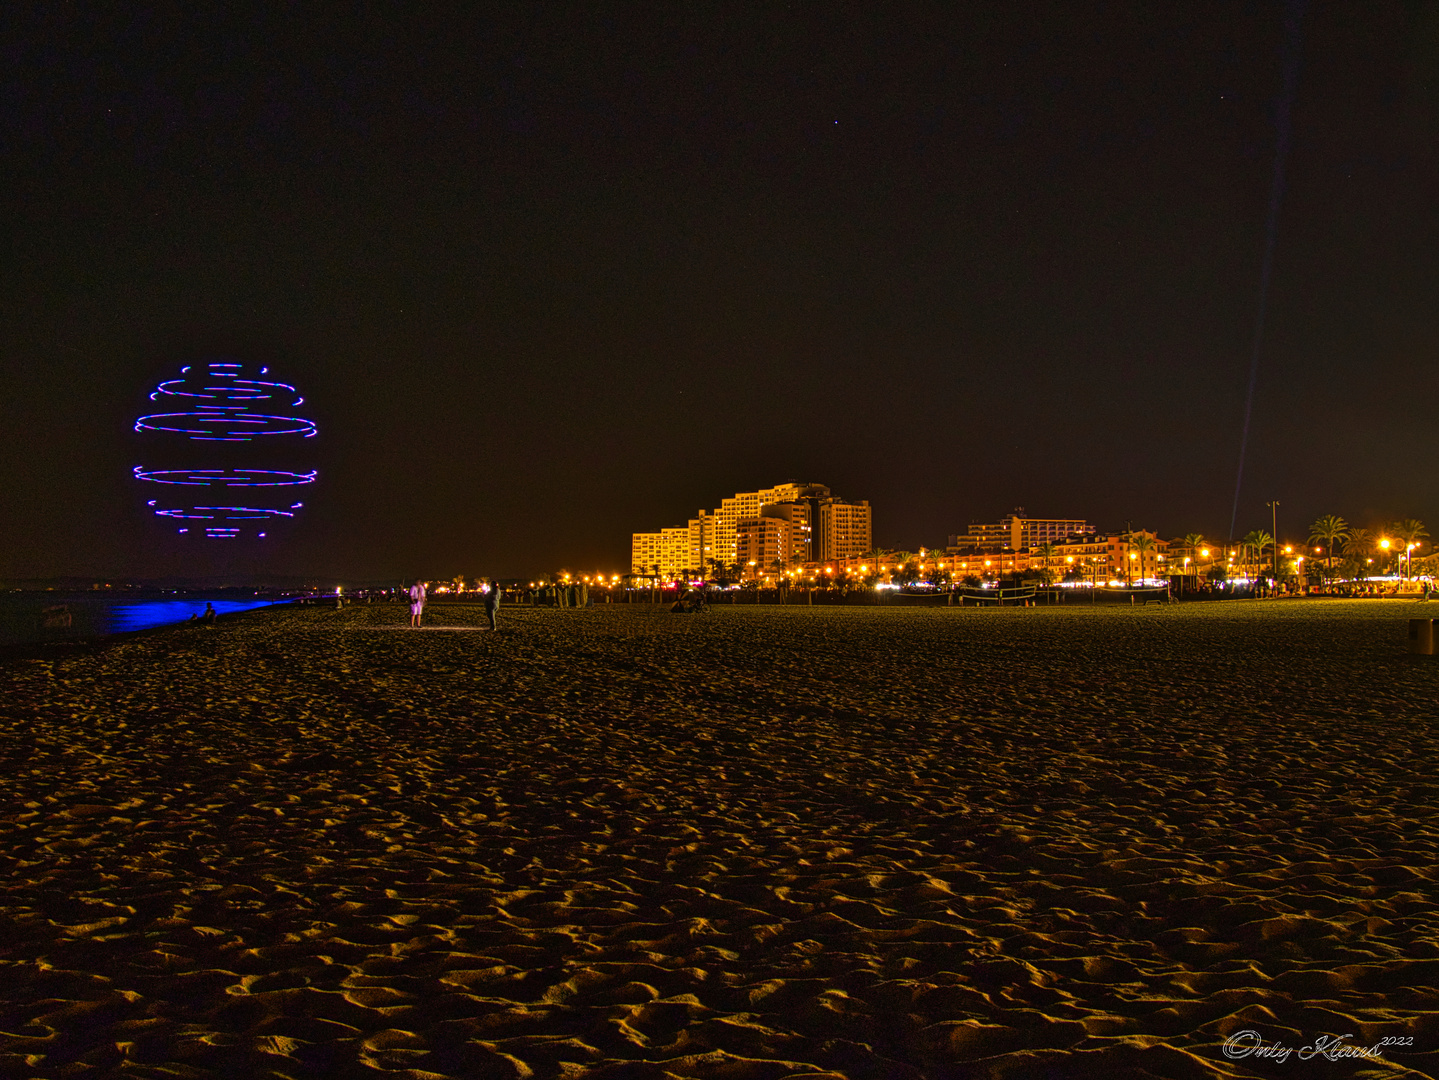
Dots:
{"x": 749, "y": 845}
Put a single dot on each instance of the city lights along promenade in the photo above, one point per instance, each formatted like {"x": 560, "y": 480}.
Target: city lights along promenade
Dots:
{"x": 765, "y": 842}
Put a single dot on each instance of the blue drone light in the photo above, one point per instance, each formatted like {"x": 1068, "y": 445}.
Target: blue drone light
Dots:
{"x": 224, "y": 513}
{"x": 225, "y": 425}
{"x": 217, "y": 403}
{"x": 239, "y": 390}
{"x": 229, "y": 478}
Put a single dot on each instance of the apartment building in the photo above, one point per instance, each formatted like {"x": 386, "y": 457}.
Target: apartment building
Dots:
{"x": 845, "y": 530}
{"x": 645, "y": 552}
{"x": 1093, "y": 558}
{"x": 745, "y": 505}
{"x": 800, "y": 515}
{"x": 1016, "y": 532}
{"x": 820, "y": 526}
{"x": 1112, "y": 557}
{"x": 702, "y": 541}
{"x": 761, "y": 542}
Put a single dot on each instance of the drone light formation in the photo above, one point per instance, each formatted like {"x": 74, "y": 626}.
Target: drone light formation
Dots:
{"x": 216, "y": 402}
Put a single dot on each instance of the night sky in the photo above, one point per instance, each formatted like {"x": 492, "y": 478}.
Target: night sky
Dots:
{"x": 553, "y": 275}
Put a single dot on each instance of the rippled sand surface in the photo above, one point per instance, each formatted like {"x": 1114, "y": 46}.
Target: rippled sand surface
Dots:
{"x": 762, "y": 843}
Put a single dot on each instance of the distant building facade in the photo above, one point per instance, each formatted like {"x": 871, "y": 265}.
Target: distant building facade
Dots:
{"x": 845, "y": 530}
{"x": 645, "y": 551}
{"x": 763, "y": 545}
{"x": 816, "y": 525}
{"x": 1093, "y": 557}
{"x": 800, "y": 515}
{"x": 1017, "y": 532}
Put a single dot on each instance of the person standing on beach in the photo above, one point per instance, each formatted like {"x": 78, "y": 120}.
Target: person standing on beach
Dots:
{"x": 417, "y": 602}
{"x": 492, "y": 602}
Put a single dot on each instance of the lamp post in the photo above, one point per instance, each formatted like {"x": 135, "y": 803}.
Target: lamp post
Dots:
{"x": 1274, "y": 536}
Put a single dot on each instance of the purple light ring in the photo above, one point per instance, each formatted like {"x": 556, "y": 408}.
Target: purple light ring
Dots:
{"x": 229, "y": 478}
{"x": 280, "y": 425}
{"x": 241, "y": 390}
{"x": 224, "y": 513}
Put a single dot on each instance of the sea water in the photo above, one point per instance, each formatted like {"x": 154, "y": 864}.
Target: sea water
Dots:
{"x": 24, "y": 617}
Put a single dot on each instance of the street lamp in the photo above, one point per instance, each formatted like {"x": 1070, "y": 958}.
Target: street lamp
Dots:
{"x": 1274, "y": 537}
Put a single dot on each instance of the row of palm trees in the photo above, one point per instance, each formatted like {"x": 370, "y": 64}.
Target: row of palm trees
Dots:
{"x": 1361, "y": 546}
{"x": 1358, "y": 546}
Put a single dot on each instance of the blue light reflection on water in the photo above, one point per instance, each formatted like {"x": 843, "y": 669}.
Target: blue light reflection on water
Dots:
{"x": 144, "y": 614}
{"x": 22, "y": 618}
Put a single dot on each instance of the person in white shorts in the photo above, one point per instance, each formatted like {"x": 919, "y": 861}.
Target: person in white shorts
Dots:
{"x": 417, "y": 602}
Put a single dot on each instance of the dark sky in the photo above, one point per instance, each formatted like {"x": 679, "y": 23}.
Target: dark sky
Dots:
{"x": 553, "y": 275}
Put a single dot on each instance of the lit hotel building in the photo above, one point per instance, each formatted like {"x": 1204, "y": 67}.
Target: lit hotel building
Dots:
{"x": 1017, "y": 532}
{"x": 793, "y": 523}
{"x": 845, "y": 530}
{"x": 761, "y": 543}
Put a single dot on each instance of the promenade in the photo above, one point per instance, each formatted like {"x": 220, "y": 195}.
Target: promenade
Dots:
{"x": 760, "y": 843}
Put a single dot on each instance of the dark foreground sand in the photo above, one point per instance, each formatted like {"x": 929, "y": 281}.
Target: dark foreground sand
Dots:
{"x": 759, "y": 844}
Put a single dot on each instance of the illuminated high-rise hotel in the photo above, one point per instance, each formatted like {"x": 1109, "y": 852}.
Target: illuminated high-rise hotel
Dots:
{"x": 816, "y": 525}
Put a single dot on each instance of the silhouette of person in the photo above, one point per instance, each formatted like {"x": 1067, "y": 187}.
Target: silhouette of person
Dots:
{"x": 492, "y": 602}
{"x": 209, "y": 615}
{"x": 417, "y": 602}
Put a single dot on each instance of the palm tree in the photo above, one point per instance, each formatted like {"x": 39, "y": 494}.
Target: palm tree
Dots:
{"x": 901, "y": 564}
{"x": 1142, "y": 543}
{"x": 1192, "y": 542}
{"x": 1357, "y": 546}
{"x": 1256, "y": 541}
{"x": 1329, "y": 528}
{"x": 876, "y": 558}
{"x": 1047, "y": 551}
{"x": 1411, "y": 531}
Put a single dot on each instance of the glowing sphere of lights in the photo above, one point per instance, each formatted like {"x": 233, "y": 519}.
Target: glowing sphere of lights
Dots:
{"x": 228, "y": 437}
